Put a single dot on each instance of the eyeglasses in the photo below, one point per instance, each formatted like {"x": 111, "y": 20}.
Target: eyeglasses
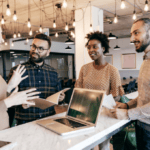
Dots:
{"x": 39, "y": 49}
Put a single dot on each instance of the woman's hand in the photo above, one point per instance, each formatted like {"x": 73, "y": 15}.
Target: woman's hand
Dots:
{"x": 18, "y": 98}
{"x": 16, "y": 78}
{"x": 121, "y": 105}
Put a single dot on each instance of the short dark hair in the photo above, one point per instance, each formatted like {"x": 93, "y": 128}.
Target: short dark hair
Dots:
{"x": 42, "y": 36}
{"x": 102, "y": 38}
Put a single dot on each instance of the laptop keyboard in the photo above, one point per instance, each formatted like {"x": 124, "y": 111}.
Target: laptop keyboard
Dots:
{"x": 70, "y": 123}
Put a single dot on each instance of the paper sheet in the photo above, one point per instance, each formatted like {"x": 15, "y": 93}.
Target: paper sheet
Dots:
{"x": 109, "y": 102}
{"x": 3, "y": 88}
{"x": 49, "y": 101}
{"x": 132, "y": 95}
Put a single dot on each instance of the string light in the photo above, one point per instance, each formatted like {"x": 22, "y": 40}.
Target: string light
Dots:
{"x": 146, "y": 8}
{"x": 14, "y": 36}
{"x": 123, "y": 4}
{"x": 66, "y": 27}
{"x": 134, "y": 15}
{"x": 54, "y": 24}
{"x": 56, "y": 34}
{"x": 8, "y": 12}
{"x": 29, "y": 24}
{"x": 19, "y": 35}
{"x": 74, "y": 24}
{"x": 64, "y": 4}
{"x": 2, "y": 21}
{"x": 115, "y": 19}
{"x": 15, "y": 16}
{"x": 91, "y": 29}
{"x": 30, "y": 33}
{"x": 40, "y": 29}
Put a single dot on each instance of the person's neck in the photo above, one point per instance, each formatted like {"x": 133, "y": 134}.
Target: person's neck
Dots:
{"x": 147, "y": 49}
{"x": 100, "y": 62}
{"x": 39, "y": 64}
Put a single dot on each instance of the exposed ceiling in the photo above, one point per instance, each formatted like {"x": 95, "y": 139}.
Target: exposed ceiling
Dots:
{"x": 121, "y": 29}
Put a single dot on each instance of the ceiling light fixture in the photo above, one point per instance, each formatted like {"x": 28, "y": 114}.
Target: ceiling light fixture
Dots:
{"x": 64, "y": 3}
{"x": 40, "y": 29}
{"x": 29, "y": 24}
{"x": 68, "y": 48}
{"x": 134, "y": 12}
{"x": 116, "y": 47}
{"x": 19, "y": 35}
{"x": 8, "y": 12}
{"x": 56, "y": 34}
{"x": 146, "y": 8}
{"x": 123, "y": 4}
{"x": 115, "y": 17}
{"x": 6, "y": 43}
{"x": 66, "y": 27}
{"x": 91, "y": 28}
{"x": 27, "y": 40}
{"x": 111, "y": 36}
{"x": 2, "y": 21}
{"x": 69, "y": 41}
{"x": 54, "y": 24}
{"x": 30, "y": 32}
{"x": 14, "y": 36}
{"x": 12, "y": 44}
{"x": 15, "y": 13}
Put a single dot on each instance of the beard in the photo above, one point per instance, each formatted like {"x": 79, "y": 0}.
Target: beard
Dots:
{"x": 142, "y": 48}
{"x": 36, "y": 59}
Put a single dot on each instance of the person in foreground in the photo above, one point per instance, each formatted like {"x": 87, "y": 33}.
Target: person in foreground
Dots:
{"x": 40, "y": 76}
{"x": 100, "y": 75}
{"x": 139, "y": 108}
{"x": 16, "y": 98}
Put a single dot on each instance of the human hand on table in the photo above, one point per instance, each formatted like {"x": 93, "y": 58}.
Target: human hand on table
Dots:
{"x": 16, "y": 77}
{"x": 121, "y": 114}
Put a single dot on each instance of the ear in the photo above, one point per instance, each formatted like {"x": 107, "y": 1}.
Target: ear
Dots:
{"x": 103, "y": 49}
{"x": 48, "y": 52}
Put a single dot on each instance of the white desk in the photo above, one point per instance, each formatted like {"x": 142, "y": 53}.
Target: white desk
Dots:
{"x": 31, "y": 136}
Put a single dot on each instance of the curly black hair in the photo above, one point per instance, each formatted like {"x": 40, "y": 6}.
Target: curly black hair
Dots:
{"x": 103, "y": 38}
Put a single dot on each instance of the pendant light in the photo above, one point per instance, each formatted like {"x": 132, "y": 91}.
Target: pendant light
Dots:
{"x": 74, "y": 7}
{"x": 115, "y": 17}
{"x": 91, "y": 29}
{"x": 29, "y": 24}
{"x": 15, "y": 13}
{"x": 134, "y": 12}
{"x": 40, "y": 29}
{"x": 123, "y": 4}
{"x": 30, "y": 32}
{"x": 66, "y": 27}
{"x": 19, "y": 35}
{"x": 2, "y": 21}
{"x": 111, "y": 36}
{"x": 54, "y": 23}
{"x": 146, "y": 8}
{"x": 14, "y": 36}
{"x": 8, "y": 12}
{"x": 12, "y": 44}
{"x": 68, "y": 48}
{"x": 56, "y": 34}
{"x": 69, "y": 41}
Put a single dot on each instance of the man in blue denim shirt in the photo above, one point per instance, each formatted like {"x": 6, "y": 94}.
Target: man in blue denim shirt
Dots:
{"x": 41, "y": 76}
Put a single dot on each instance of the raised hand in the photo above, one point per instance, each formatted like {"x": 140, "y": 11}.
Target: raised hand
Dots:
{"x": 18, "y": 98}
{"x": 16, "y": 77}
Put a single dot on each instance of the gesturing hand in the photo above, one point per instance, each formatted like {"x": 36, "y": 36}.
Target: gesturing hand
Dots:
{"x": 16, "y": 77}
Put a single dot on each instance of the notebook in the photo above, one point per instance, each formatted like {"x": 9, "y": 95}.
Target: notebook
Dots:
{"x": 82, "y": 114}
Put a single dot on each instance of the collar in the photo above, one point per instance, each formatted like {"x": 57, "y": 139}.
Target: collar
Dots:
{"x": 35, "y": 65}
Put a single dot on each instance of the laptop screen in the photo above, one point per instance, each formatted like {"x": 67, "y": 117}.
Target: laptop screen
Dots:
{"x": 85, "y": 104}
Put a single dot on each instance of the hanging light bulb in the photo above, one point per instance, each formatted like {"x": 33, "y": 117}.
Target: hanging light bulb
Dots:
{"x": 64, "y": 4}
{"x": 73, "y": 35}
{"x": 14, "y": 36}
{"x": 15, "y": 16}
{"x": 134, "y": 15}
{"x": 146, "y": 8}
{"x": 91, "y": 29}
{"x": 19, "y": 35}
{"x": 27, "y": 40}
{"x": 115, "y": 19}
{"x": 2, "y": 21}
{"x": 40, "y": 29}
{"x": 8, "y": 12}
{"x": 56, "y": 34}
{"x": 54, "y": 24}
{"x": 123, "y": 4}
{"x": 12, "y": 44}
{"x": 74, "y": 24}
{"x": 29, "y": 24}
{"x": 30, "y": 33}
{"x": 5, "y": 43}
{"x": 66, "y": 27}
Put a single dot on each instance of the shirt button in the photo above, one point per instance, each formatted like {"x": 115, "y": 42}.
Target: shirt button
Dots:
{"x": 39, "y": 81}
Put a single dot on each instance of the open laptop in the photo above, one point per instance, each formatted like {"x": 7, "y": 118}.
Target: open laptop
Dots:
{"x": 83, "y": 111}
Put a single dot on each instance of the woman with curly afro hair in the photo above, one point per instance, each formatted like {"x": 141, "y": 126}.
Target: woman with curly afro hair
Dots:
{"x": 100, "y": 75}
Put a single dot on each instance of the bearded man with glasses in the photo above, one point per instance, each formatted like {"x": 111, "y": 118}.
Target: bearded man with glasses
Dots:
{"x": 41, "y": 76}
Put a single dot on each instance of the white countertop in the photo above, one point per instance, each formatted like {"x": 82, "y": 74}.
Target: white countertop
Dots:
{"x": 31, "y": 136}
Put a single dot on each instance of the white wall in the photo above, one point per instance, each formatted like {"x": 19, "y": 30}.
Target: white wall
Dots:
{"x": 58, "y": 47}
{"x": 126, "y": 47}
